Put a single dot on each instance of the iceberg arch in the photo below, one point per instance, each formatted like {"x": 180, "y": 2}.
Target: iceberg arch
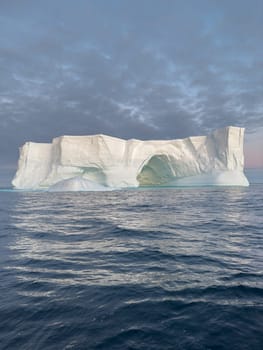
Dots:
{"x": 157, "y": 170}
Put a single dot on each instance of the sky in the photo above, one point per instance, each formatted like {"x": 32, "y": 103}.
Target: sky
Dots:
{"x": 149, "y": 69}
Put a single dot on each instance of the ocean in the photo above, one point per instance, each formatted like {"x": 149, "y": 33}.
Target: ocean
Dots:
{"x": 132, "y": 269}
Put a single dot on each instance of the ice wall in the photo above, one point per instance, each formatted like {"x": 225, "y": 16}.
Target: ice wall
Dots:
{"x": 216, "y": 159}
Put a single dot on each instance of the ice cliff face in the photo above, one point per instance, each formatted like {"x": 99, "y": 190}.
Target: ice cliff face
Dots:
{"x": 99, "y": 161}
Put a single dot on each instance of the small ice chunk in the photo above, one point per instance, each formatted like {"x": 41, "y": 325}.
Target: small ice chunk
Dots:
{"x": 77, "y": 183}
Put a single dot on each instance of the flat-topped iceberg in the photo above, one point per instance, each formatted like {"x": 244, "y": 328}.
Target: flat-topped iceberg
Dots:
{"x": 100, "y": 162}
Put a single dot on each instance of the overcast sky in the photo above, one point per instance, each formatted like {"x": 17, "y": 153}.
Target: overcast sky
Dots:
{"x": 130, "y": 68}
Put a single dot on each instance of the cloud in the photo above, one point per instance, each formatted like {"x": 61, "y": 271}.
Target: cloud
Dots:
{"x": 140, "y": 69}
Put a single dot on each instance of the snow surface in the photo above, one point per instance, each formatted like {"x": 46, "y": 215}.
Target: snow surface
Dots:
{"x": 98, "y": 162}
{"x": 77, "y": 183}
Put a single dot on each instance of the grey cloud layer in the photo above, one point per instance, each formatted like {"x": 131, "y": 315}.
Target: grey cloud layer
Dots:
{"x": 145, "y": 69}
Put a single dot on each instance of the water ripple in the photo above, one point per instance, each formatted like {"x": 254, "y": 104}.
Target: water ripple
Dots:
{"x": 148, "y": 269}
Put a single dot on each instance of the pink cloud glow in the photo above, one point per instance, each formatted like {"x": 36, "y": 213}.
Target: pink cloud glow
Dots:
{"x": 253, "y": 150}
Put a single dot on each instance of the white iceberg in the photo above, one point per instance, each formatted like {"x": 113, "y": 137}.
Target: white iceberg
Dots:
{"x": 100, "y": 162}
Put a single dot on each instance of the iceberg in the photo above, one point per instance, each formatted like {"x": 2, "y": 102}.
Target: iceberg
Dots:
{"x": 100, "y": 162}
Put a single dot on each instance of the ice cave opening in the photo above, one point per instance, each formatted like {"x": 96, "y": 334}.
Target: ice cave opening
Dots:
{"x": 94, "y": 174}
{"x": 158, "y": 170}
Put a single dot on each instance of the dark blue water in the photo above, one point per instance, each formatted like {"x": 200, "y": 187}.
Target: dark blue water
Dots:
{"x": 149, "y": 269}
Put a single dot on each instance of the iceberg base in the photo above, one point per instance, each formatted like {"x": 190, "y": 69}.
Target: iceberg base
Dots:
{"x": 225, "y": 178}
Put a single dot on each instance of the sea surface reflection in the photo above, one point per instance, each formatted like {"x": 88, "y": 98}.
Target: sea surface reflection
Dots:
{"x": 98, "y": 252}
{"x": 102, "y": 238}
